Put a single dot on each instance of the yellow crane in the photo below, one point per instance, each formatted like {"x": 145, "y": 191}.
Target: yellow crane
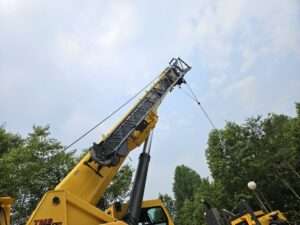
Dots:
{"x": 74, "y": 199}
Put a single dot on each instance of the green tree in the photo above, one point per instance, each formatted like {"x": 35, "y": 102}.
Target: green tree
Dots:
{"x": 169, "y": 203}
{"x": 8, "y": 141}
{"x": 186, "y": 182}
{"x": 30, "y": 167}
{"x": 192, "y": 210}
{"x": 266, "y": 150}
{"x": 119, "y": 189}
{"x": 262, "y": 149}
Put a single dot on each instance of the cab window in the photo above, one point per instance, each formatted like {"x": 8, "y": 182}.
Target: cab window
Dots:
{"x": 153, "y": 216}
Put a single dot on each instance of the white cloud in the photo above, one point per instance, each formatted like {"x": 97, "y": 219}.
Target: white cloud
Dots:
{"x": 246, "y": 89}
{"x": 8, "y": 7}
{"x": 218, "y": 81}
{"x": 210, "y": 29}
{"x": 99, "y": 43}
{"x": 223, "y": 30}
{"x": 271, "y": 31}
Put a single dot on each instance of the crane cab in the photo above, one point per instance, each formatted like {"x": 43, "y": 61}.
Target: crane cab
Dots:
{"x": 153, "y": 212}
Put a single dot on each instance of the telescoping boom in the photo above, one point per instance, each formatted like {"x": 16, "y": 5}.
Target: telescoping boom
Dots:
{"x": 74, "y": 200}
{"x": 108, "y": 151}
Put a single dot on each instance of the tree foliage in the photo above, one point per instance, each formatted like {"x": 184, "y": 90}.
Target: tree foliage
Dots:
{"x": 8, "y": 141}
{"x": 192, "y": 190}
{"x": 169, "y": 203}
{"x": 119, "y": 189}
{"x": 186, "y": 182}
{"x": 31, "y": 166}
{"x": 266, "y": 150}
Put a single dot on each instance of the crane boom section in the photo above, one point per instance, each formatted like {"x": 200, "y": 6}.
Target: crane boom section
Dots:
{"x": 88, "y": 181}
{"x": 114, "y": 146}
{"x": 91, "y": 176}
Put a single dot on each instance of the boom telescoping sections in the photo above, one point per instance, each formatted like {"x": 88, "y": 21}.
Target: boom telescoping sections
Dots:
{"x": 109, "y": 151}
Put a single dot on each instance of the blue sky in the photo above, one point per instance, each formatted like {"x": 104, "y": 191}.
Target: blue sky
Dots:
{"x": 70, "y": 63}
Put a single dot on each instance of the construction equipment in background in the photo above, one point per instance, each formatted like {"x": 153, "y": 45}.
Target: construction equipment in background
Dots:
{"x": 245, "y": 216}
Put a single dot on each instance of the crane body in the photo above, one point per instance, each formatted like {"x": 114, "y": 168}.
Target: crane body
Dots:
{"x": 74, "y": 200}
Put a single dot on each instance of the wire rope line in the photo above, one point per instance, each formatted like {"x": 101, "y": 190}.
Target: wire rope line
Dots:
{"x": 194, "y": 97}
{"x": 202, "y": 107}
{"x": 111, "y": 114}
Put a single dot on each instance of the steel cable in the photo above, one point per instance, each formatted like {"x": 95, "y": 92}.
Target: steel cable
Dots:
{"x": 194, "y": 97}
{"x": 111, "y": 114}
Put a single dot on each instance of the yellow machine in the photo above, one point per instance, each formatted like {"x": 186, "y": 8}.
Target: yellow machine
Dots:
{"x": 5, "y": 206}
{"x": 74, "y": 199}
{"x": 246, "y": 216}
{"x": 272, "y": 218}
